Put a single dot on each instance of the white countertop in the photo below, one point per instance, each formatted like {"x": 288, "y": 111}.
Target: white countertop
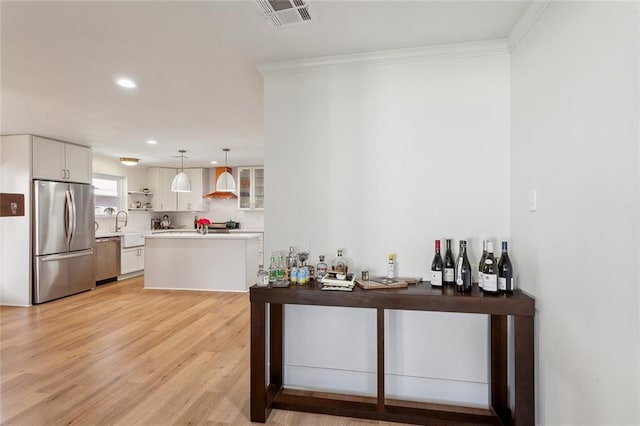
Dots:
{"x": 147, "y": 232}
{"x": 108, "y": 234}
{"x": 195, "y": 235}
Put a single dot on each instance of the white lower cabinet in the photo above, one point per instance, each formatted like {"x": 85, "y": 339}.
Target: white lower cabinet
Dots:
{"x": 131, "y": 260}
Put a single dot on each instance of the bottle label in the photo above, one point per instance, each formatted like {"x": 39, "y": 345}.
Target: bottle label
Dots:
{"x": 488, "y": 262}
{"x": 490, "y": 282}
{"x": 436, "y": 278}
{"x": 502, "y": 284}
{"x": 449, "y": 274}
{"x": 480, "y": 279}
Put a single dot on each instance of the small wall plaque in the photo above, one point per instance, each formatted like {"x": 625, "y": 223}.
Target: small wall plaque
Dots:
{"x": 11, "y": 204}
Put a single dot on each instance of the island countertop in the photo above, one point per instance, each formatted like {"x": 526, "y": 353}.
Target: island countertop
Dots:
{"x": 195, "y": 235}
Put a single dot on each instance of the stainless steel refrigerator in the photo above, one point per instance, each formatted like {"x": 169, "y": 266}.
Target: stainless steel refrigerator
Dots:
{"x": 63, "y": 239}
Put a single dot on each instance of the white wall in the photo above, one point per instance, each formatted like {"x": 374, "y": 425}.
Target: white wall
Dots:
{"x": 575, "y": 131}
{"x": 381, "y": 159}
{"x": 15, "y": 232}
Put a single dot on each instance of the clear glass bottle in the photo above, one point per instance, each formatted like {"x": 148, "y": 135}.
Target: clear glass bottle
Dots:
{"x": 321, "y": 269}
{"x": 303, "y": 275}
{"x": 291, "y": 262}
{"x": 263, "y": 278}
{"x": 340, "y": 264}
{"x": 391, "y": 266}
{"x": 273, "y": 269}
{"x": 280, "y": 268}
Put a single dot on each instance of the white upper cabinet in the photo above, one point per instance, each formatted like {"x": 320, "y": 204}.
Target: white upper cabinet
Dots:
{"x": 251, "y": 188}
{"x": 164, "y": 199}
{"x": 193, "y": 201}
{"x": 160, "y": 179}
{"x": 61, "y": 161}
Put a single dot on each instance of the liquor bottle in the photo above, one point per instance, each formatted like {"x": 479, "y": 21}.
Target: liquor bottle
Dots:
{"x": 505, "y": 270}
{"x": 481, "y": 264}
{"x": 280, "y": 267}
{"x": 339, "y": 264}
{"x": 449, "y": 265}
{"x": 321, "y": 269}
{"x": 263, "y": 278}
{"x": 436, "y": 267}
{"x": 463, "y": 269}
{"x": 273, "y": 270}
{"x": 292, "y": 258}
{"x": 490, "y": 271}
{"x": 391, "y": 267}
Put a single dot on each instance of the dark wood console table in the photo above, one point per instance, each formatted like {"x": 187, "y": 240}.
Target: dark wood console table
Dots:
{"x": 422, "y": 297}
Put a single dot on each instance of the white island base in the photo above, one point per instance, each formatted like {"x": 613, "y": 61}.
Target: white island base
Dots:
{"x": 190, "y": 261}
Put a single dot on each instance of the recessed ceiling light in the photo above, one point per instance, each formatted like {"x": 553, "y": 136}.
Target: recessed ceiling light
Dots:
{"x": 151, "y": 142}
{"x": 125, "y": 82}
{"x": 214, "y": 162}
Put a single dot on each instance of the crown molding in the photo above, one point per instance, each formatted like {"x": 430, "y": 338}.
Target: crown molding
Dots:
{"x": 396, "y": 56}
{"x": 526, "y": 21}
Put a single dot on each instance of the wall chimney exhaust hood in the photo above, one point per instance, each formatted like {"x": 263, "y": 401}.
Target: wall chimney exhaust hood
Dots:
{"x": 220, "y": 195}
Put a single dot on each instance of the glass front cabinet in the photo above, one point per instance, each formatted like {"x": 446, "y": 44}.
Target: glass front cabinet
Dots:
{"x": 251, "y": 188}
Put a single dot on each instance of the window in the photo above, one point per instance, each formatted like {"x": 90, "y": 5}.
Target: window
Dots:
{"x": 109, "y": 194}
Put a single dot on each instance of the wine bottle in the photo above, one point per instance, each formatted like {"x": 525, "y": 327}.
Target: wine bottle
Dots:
{"x": 449, "y": 265}
{"x": 436, "y": 267}
{"x": 505, "y": 270}
{"x": 463, "y": 269}
{"x": 490, "y": 271}
{"x": 481, "y": 264}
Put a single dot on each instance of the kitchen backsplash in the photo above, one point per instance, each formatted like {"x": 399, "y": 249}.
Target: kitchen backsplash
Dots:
{"x": 219, "y": 211}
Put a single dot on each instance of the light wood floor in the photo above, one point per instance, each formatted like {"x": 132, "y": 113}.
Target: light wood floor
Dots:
{"x": 124, "y": 355}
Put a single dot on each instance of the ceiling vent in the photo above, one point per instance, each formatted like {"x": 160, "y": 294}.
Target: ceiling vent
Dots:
{"x": 278, "y": 13}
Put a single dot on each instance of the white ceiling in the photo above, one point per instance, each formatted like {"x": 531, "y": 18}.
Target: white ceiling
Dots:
{"x": 195, "y": 66}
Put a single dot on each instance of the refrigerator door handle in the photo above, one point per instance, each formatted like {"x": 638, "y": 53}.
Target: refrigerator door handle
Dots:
{"x": 68, "y": 224}
{"x": 73, "y": 215}
{"x": 53, "y": 257}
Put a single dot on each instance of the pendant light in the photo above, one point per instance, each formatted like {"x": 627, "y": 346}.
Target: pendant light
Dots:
{"x": 226, "y": 182}
{"x": 181, "y": 183}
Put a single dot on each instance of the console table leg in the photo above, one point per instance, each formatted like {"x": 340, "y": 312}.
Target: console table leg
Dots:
{"x": 498, "y": 347}
{"x": 276, "y": 340}
{"x": 380, "y": 370}
{"x": 524, "y": 374}
{"x": 258, "y": 364}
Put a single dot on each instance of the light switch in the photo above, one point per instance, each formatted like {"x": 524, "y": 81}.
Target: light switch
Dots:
{"x": 533, "y": 200}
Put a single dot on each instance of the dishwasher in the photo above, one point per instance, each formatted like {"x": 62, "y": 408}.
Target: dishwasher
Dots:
{"x": 107, "y": 259}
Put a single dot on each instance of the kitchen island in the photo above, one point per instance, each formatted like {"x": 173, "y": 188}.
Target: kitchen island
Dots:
{"x": 191, "y": 261}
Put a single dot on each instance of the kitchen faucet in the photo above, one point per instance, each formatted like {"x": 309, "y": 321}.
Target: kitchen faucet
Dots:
{"x": 126, "y": 219}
